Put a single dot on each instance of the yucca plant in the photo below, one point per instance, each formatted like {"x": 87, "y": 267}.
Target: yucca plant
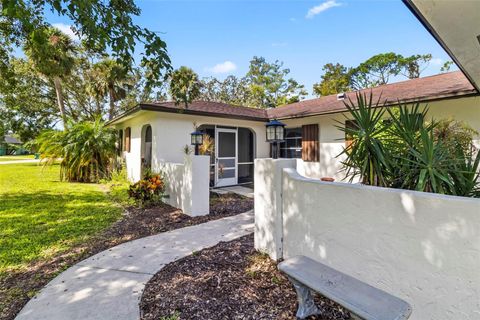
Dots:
{"x": 366, "y": 156}
{"x": 404, "y": 151}
{"x": 428, "y": 162}
{"x": 465, "y": 172}
{"x": 86, "y": 150}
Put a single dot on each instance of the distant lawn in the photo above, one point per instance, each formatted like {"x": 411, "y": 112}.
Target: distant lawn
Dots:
{"x": 13, "y": 158}
{"x": 41, "y": 217}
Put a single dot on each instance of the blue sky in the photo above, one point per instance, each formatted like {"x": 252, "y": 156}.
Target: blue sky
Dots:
{"x": 217, "y": 38}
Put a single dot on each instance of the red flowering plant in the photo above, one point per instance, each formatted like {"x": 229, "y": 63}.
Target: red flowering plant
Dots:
{"x": 148, "y": 191}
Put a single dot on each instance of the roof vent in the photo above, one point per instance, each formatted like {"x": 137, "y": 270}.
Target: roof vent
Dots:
{"x": 341, "y": 96}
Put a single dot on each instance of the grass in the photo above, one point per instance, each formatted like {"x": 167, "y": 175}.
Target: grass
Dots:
{"x": 13, "y": 158}
{"x": 41, "y": 217}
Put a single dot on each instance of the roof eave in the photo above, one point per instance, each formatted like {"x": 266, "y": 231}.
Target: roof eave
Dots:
{"x": 160, "y": 108}
{"x": 457, "y": 95}
{"x": 413, "y": 8}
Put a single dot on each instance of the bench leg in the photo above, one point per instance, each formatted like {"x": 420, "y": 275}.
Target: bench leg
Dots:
{"x": 306, "y": 305}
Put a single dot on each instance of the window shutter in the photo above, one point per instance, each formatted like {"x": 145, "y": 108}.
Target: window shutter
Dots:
{"x": 127, "y": 139}
{"x": 310, "y": 143}
{"x": 349, "y": 124}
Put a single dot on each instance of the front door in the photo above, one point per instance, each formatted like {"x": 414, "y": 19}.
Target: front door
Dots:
{"x": 226, "y": 157}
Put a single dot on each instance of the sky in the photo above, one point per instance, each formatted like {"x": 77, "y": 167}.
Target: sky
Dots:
{"x": 220, "y": 37}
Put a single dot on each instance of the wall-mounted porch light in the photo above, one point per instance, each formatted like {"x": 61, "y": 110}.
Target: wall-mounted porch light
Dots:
{"x": 275, "y": 135}
{"x": 196, "y": 140}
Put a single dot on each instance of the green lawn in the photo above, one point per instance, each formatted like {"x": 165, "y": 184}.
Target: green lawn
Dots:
{"x": 13, "y": 158}
{"x": 41, "y": 216}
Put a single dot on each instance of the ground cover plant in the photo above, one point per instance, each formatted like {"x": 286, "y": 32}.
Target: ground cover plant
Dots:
{"x": 400, "y": 147}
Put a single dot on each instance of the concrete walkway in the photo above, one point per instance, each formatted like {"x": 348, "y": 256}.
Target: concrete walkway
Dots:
{"x": 109, "y": 284}
{"x": 241, "y": 190}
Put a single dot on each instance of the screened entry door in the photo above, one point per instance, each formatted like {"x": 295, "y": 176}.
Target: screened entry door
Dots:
{"x": 226, "y": 157}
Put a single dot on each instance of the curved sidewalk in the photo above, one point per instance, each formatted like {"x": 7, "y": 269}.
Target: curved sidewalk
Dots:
{"x": 109, "y": 284}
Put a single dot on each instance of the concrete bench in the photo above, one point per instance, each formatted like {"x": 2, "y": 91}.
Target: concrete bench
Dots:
{"x": 361, "y": 299}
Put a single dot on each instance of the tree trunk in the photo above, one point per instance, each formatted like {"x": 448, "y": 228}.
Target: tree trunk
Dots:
{"x": 58, "y": 89}
{"x": 112, "y": 103}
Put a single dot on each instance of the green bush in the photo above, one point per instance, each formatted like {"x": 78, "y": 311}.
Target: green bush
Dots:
{"x": 148, "y": 191}
{"x": 86, "y": 151}
{"x": 405, "y": 151}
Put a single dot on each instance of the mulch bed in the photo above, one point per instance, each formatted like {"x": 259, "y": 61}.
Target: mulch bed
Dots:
{"x": 228, "y": 281}
{"x": 18, "y": 287}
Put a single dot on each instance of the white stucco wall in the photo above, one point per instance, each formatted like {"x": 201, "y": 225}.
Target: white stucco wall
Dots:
{"x": 171, "y": 132}
{"x": 331, "y": 139}
{"x": 331, "y": 145}
{"x": 268, "y": 205}
{"x": 421, "y": 247}
{"x": 187, "y": 184}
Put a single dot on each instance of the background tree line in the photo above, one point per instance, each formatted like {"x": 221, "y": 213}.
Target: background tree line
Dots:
{"x": 375, "y": 71}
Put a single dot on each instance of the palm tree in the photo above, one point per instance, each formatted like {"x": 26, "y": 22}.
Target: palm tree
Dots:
{"x": 87, "y": 150}
{"x": 184, "y": 86}
{"x": 112, "y": 79}
{"x": 52, "y": 53}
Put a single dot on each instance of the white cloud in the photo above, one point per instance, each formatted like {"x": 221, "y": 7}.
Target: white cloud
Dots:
{"x": 293, "y": 19}
{"x": 436, "y": 61}
{"x": 224, "y": 67}
{"x": 322, "y": 7}
{"x": 67, "y": 29}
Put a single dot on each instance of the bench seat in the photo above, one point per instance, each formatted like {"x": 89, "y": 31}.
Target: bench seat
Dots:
{"x": 359, "y": 298}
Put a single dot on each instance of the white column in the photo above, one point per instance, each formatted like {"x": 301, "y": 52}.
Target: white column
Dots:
{"x": 196, "y": 186}
{"x": 268, "y": 205}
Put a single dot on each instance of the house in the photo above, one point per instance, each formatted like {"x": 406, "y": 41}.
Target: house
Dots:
{"x": 8, "y": 142}
{"x": 156, "y": 133}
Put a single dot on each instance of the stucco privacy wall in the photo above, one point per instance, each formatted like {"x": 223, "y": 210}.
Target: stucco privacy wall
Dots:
{"x": 268, "y": 204}
{"x": 421, "y": 247}
{"x": 187, "y": 184}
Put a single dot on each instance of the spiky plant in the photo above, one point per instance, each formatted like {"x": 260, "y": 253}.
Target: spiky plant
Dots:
{"x": 86, "y": 151}
{"x": 366, "y": 156}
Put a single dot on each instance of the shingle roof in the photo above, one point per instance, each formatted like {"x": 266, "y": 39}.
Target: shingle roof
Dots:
{"x": 441, "y": 86}
{"x": 430, "y": 88}
{"x": 12, "y": 140}
{"x": 210, "y": 108}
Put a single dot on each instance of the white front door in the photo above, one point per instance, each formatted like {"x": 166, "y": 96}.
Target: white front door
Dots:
{"x": 226, "y": 157}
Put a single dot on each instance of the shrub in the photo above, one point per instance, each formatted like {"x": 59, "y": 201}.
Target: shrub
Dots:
{"x": 148, "y": 191}
{"x": 405, "y": 151}
{"x": 86, "y": 150}
{"x": 366, "y": 155}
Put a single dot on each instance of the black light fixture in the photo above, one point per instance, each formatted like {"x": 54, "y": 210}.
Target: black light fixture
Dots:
{"x": 275, "y": 135}
{"x": 196, "y": 140}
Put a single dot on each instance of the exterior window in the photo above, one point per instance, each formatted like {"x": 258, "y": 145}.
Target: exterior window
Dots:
{"x": 147, "y": 151}
{"x": 292, "y": 147}
{"x": 127, "y": 139}
{"x": 120, "y": 142}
